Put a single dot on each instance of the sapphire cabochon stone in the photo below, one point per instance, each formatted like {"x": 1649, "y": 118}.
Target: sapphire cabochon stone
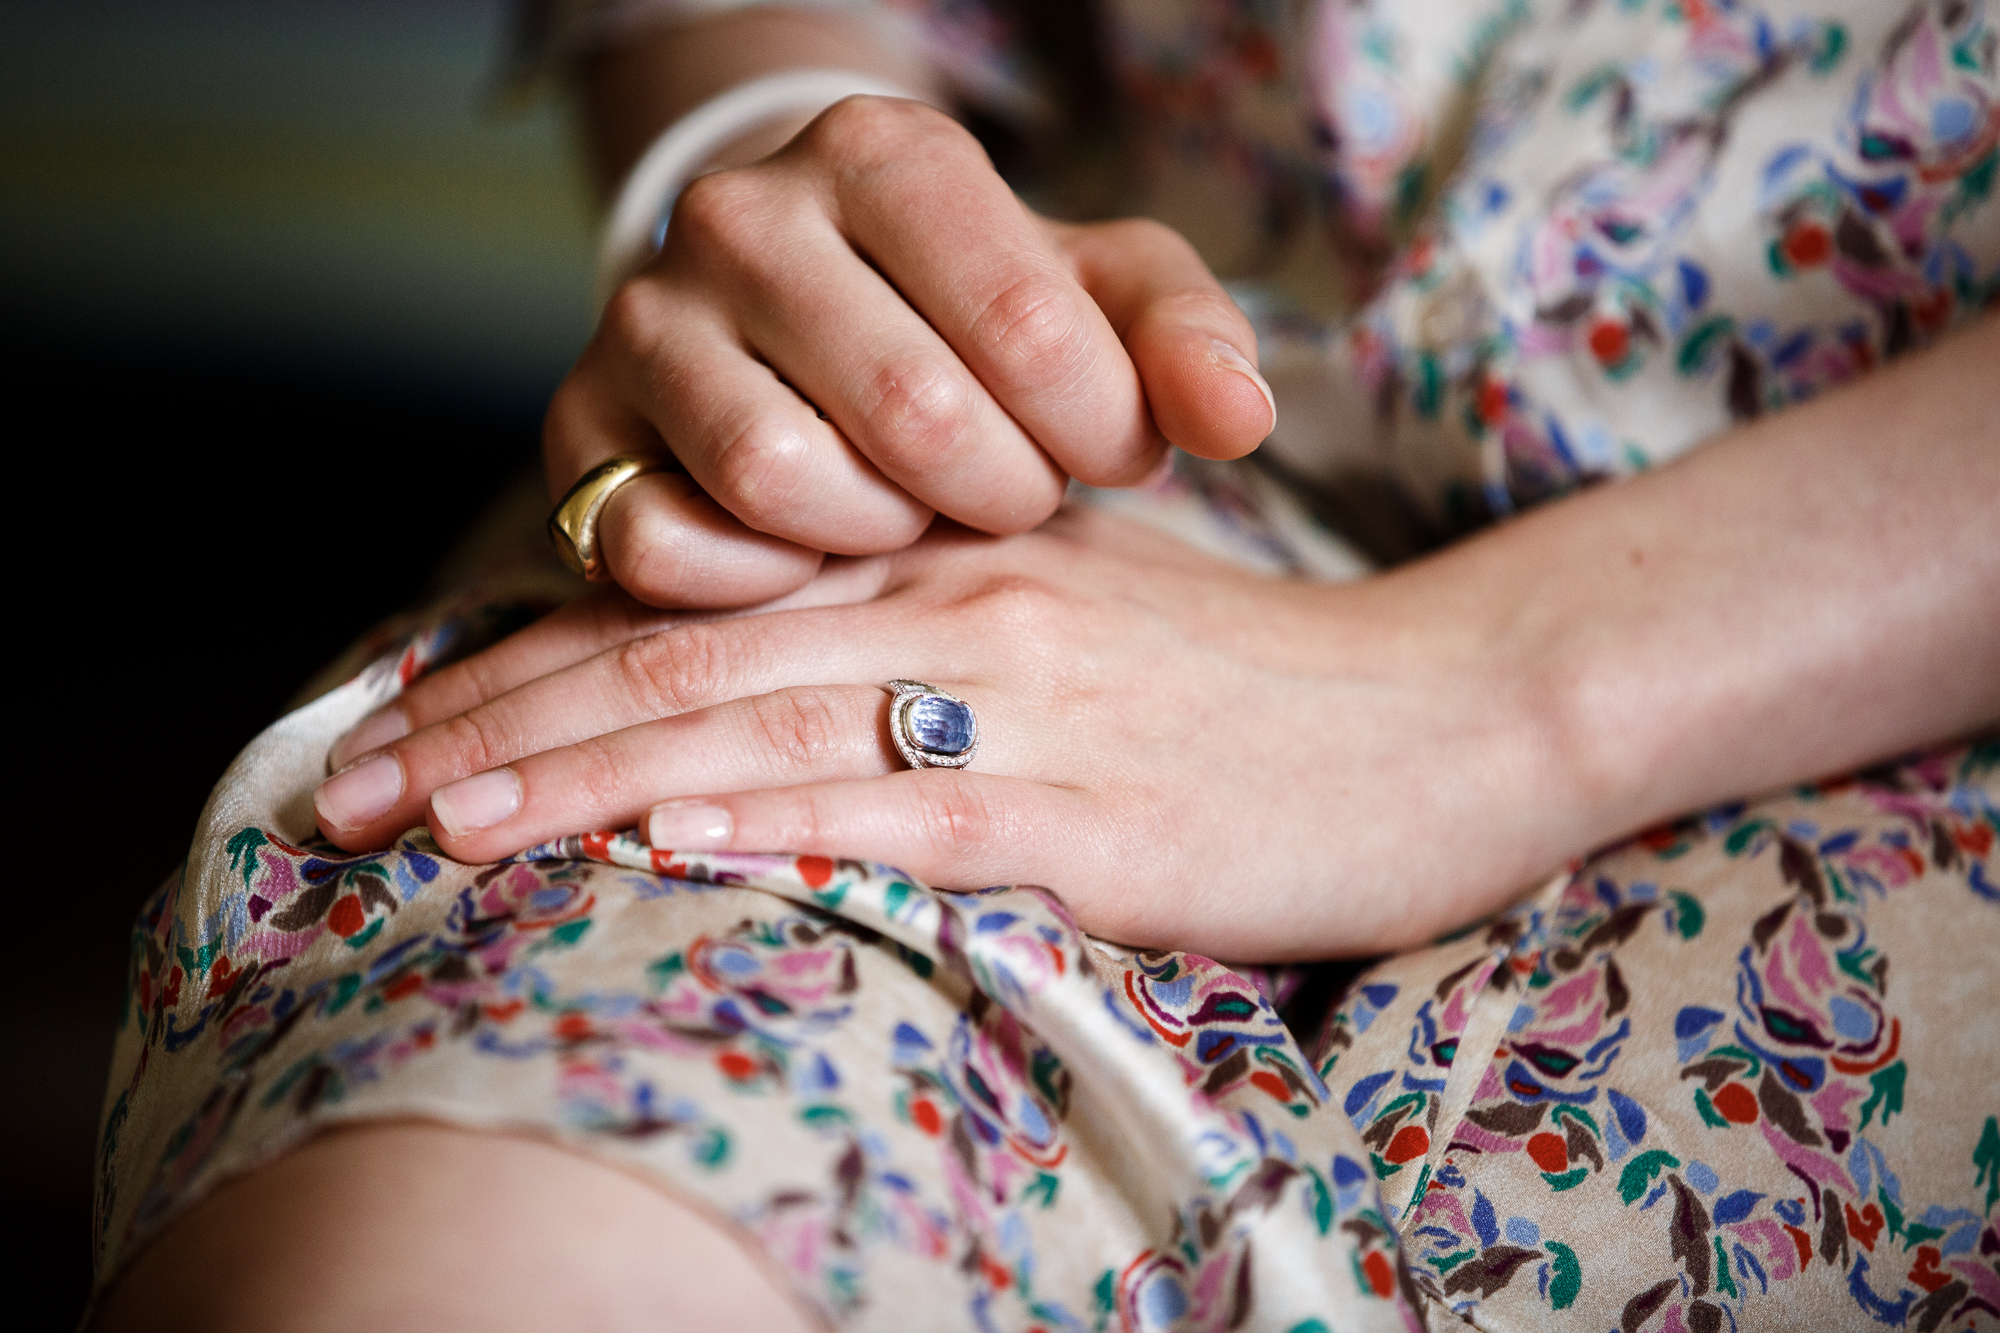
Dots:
{"x": 942, "y": 726}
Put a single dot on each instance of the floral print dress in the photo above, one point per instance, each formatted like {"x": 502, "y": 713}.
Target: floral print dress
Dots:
{"x": 1736, "y": 1072}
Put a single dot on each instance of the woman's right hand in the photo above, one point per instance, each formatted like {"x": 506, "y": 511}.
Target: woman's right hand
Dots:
{"x": 867, "y": 328}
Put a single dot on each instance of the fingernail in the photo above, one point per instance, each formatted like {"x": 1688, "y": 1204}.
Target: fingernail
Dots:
{"x": 1226, "y": 355}
{"x": 375, "y": 731}
{"x": 689, "y": 826}
{"x": 361, "y": 795}
{"x": 478, "y": 802}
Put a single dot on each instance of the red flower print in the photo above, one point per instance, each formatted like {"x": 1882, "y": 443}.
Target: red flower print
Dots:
{"x": 1737, "y": 1103}
{"x": 1807, "y": 244}
{"x": 347, "y": 916}
{"x": 1610, "y": 340}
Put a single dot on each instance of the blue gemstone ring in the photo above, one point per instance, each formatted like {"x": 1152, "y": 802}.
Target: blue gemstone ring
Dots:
{"x": 931, "y": 729}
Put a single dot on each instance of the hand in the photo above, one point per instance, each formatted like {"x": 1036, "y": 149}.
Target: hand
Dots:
{"x": 1191, "y": 756}
{"x": 868, "y": 327}
{"x": 1199, "y": 758}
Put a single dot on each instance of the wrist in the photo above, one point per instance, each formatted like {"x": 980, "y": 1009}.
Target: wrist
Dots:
{"x": 1562, "y": 732}
{"x": 1463, "y": 729}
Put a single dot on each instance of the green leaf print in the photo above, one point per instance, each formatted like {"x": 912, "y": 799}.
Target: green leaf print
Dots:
{"x": 1692, "y": 359}
{"x": 1322, "y": 1202}
{"x": 1688, "y": 916}
{"x": 245, "y": 845}
{"x": 894, "y": 897}
{"x": 1890, "y": 1211}
{"x": 1740, "y": 836}
{"x": 344, "y": 990}
{"x": 824, "y": 1114}
{"x": 712, "y": 1148}
{"x": 1568, "y": 1180}
{"x": 1448, "y": 1262}
{"x": 1888, "y": 1085}
{"x": 1855, "y": 964}
{"x": 1639, "y": 1173}
{"x": 660, "y": 973}
{"x": 1577, "y": 1113}
{"x": 1429, "y": 394}
{"x": 569, "y": 932}
{"x": 1987, "y": 1158}
{"x": 1565, "y": 1275}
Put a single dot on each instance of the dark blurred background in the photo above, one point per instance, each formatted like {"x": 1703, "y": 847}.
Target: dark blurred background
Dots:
{"x": 283, "y": 290}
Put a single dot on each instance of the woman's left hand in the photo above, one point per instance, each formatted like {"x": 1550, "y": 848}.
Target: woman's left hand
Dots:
{"x": 1190, "y": 755}
{"x": 1199, "y": 758}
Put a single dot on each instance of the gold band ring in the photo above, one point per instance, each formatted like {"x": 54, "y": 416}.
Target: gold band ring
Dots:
{"x": 573, "y": 525}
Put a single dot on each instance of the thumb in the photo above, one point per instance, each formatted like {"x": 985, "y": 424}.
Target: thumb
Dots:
{"x": 1195, "y": 352}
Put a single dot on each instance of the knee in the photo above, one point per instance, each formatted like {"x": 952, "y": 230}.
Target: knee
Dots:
{"x": 405, "y": 1224}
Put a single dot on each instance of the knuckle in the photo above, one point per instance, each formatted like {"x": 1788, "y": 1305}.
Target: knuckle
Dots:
{"x": 475, "y": 742}
{"x": 646, "y": 551}
{"x": 634, "y": 322}
{"x": 1025, "y": 609}
{"x": 603, "y": 769}
{"x": 856, "y": 118}
{"x": 760, "y": 470}
{"x": 712, "y": 208}
{"x": 799, "y": 726}
{"x": 808, "y": 818}
{"x": 955, "y": 819}
{"x": 1212, "y": 310}
{"x": 675, "y": 671}
{"x": 867, "y": 130}
{"x": 471, "y": 682}
{"x": 1147, "y": 237}
{"x": 1033, "y": 325}
{"x": 921, "y": 413}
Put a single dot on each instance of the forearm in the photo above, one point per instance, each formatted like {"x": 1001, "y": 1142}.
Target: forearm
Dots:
{"x": 628, "y": 94}
{"x": 1819, "y": 590}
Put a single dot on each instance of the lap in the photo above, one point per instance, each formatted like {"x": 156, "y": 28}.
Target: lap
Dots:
{"x": 1737, "y": 1073}
{"x": 958, "y": 1104}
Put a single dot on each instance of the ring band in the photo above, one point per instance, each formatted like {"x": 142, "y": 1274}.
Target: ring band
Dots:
{"x": 931, "y": 729}
{"x": 573, "y": 523}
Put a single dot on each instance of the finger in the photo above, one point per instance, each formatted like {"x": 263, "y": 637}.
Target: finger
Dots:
{"x": 918, "y": 196}
{"x": 566, "y": 636}
{"x": 569, "y": 636}
{"x": 677, "y": 671}
{"x": 809, "y": 734}
{"x": 850, "y": 343}
{"x": 662, "y": 539}
{"x": 1195, "y": 352}
{"x": 949, "y": 829}
{"x": 758, "y": 450}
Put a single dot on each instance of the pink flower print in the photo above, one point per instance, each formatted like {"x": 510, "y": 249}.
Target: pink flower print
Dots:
{"x": 1588, "y": 266}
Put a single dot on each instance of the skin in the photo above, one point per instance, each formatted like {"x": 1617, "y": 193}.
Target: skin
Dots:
{"x": 864, "y": 330}
{"x": 367, "y": 1228}
{"x": 1800, "y": 597}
